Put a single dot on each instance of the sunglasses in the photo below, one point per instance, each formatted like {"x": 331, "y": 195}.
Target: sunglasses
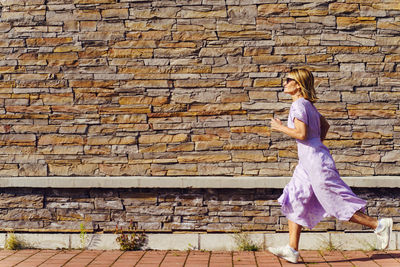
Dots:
{"x": 288, "y": 80}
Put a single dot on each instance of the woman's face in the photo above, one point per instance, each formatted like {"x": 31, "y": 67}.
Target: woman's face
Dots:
{"x": 290, "y": 86}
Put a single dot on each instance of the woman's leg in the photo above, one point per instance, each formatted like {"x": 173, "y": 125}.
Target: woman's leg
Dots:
{"x": 383, "y": 227}
{"x": 294, "y": 234}
{"x": 289, "y": 252}
{"x": 364, "y": 219}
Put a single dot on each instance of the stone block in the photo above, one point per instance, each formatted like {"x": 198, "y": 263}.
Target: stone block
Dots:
{"x": 173, "y": 241}
{"x": 130, "y": 53}
{"x": 52, "y": 139}
{"x": 356, "y": 23}
{"x": 217, "y": 52}
{"x": 342, "y": 8}
{"x": 192, "y": 14}
{"x": 204, "y": 157}
{"x": 242, "y": 14}
{"x": 357, "y": 241}
{"x": 94, "y": 241}
{"x": 398, "y": 240}
{"x": 387, "y": 6}
{"x": 368, "y": 11}
{"x": 160, "y": 138}
{"x": 3, "y": 239}
{"x": 272, "y": 9}
{"x": 26, "y": 201}
{"x": 124, "y": 169}
{"x": 115, "y": 13}
{"x": 227, "y": 242}
{"x": 87, "y": 14}
{"x": 208, "y": 145}
{"x": 248, "y": 156}
{"x": 18, "y": 139}
{"x": 72, "y": 169}
{"x": 53, "y": 41}
{"x": 308, "y": 241}
{"x": 391, "y": 156}
{"x": 272, "y": 82}
{"x": 108, "y": 204}
{"x": 44, "y": 241}
{"x": 110, "y": 140}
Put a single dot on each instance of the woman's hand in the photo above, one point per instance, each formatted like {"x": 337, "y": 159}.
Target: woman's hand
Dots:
{"x": 276, "y": 124}
{"x": 299, "y": 131}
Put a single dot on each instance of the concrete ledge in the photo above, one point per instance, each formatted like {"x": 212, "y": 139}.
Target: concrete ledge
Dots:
{"x": 181, "y": 182}
{"x": 213, "y": 242}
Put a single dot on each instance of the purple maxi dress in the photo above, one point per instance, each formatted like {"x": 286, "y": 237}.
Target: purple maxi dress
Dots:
{"x": 316, "y": 189}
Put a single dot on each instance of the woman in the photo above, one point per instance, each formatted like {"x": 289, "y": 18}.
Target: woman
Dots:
{"x": 316, "y": 189}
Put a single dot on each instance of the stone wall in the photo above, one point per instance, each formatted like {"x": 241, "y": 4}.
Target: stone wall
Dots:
{"x": 167, "y": 210}
{"x": 137, "y": 87}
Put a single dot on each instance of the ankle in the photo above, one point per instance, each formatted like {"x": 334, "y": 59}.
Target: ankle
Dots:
{"x": 378, "y": 225}
{"x": 294, "y": 250}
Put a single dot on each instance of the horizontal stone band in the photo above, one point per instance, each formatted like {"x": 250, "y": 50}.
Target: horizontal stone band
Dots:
{"x": 181, "y": 182}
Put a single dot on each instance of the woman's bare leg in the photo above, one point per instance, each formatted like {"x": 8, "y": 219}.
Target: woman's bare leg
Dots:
{"x": 294, "y": 234}
{"x": 364, "y": 219}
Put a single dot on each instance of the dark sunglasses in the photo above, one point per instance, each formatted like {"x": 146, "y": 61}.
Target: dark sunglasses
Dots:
{"x": 288, "y": 80}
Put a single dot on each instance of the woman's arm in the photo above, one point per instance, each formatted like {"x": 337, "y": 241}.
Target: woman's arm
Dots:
{"x": 299, "y": 132}
{"x": 324, "y": 127}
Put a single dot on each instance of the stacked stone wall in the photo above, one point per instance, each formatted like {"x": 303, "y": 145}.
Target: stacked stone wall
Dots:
{"x": 136, "y": 87}
{"x": 167, "y": 210}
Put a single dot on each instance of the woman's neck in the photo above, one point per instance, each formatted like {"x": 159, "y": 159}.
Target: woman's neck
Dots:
{"x": 296, "y": 97}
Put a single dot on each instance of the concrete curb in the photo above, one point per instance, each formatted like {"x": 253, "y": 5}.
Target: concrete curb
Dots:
{"x": 203, "y": 241}
{"x": 244, "y": 182}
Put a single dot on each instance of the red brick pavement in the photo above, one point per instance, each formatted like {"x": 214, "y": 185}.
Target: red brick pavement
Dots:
{"x": 93, "y": 258}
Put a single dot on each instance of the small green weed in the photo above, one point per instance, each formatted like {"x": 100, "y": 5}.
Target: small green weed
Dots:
{"x": 328, "y": 245}
{"x": 132, "y": 240}
{"x": 83, "y": 236}
{"x": 244, "y": 243}
{"x": 191, "y": 247}
{"x": 12, "y": 242}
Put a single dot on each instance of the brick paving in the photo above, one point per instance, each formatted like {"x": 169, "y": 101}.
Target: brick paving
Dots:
{"x": 93, "y": 258}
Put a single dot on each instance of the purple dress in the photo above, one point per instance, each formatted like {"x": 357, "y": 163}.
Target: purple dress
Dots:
{"x": 316, "y": 189}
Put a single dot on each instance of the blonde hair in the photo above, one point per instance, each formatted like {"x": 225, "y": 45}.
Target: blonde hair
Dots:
{"x": 305, "y": 80}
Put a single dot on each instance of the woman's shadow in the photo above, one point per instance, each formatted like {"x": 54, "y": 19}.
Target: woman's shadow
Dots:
{"x": 375, "y": 256}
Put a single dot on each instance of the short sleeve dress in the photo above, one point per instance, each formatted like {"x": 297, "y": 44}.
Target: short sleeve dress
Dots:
{"x": 316, "y": 189}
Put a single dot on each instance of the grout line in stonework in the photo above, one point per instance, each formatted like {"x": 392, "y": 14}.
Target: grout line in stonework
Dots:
{"x": 393, "y": 257}
{"x": 48, "y": 258}
{"x": 187, "y": 256}
{"x": 322, "y": 256}
{"x": 25, "y": 259}
{"x": 117, "y": 258}
{"x": 255, "y": 258}
{"x": 369, "y": 257}
{"x": 165, "y": 255}
{"x": 139, "y": 258}
{"x": 349, "y": 260}
{"x": 280, "y": 261}
{"x": 15, "y": 251}
{"x": 73, "y": 257}
{"x": 98, "y": 255}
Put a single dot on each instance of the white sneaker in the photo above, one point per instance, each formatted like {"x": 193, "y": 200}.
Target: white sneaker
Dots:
{"x": 383, "y": 232}
{"x": 286, "y": 253}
